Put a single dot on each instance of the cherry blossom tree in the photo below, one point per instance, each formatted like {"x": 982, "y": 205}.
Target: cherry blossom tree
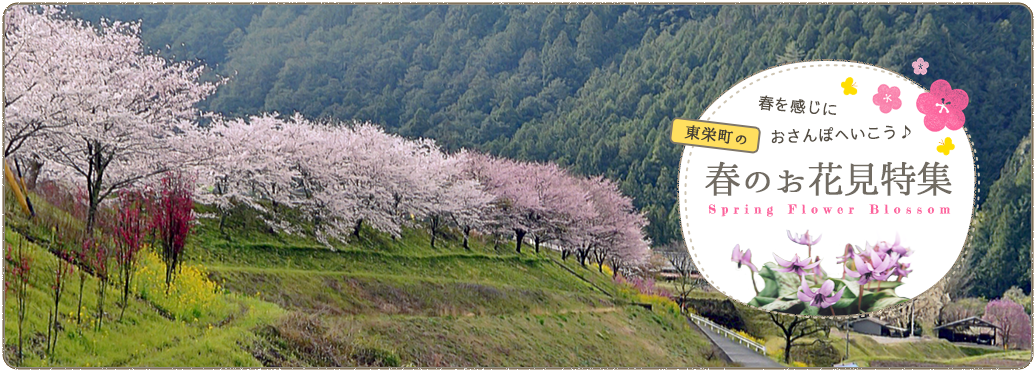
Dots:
{"x": 616, "y": 230}
{"x": 488, "y": 171}
{"x": 562, "y": 202}
{"x": 262, "y": 159}
{"x": 476, "y": 206}
{"x": 39, "y": 44}
{"x": 389, "y": 179}
{"x": 513, "y": 199}
{"x": 590, "y": 215}
{"x": 457, "y": 198}
{"x": 538, "y": 199}
{"x": 342, "y": 176}
{"x": 97, "y": 107}
{"x": 1015, "y": 325}
{"x": 268, "y": 162}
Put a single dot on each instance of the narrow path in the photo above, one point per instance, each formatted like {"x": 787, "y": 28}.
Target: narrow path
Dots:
{"x": 566, "y": 268}
{"x": 361, "y": 274}
{"x": 738, "y": 354}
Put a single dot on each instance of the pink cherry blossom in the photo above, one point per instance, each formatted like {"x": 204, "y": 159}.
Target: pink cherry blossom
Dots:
{"x": 93, "y": 105}
{"x": 887, "y": 99}
{"x": 942, "y": 106}
{"x": 614, "y": 229}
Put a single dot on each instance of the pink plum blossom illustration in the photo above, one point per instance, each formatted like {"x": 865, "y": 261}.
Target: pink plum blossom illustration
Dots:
{"x": 920, "y": 66}
{"x": 942, "y": 106}
{"x": 822, "y": 297}
{"x": 887, "y": 99}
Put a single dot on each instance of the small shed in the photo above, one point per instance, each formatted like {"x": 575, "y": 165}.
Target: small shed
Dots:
{"x": 877, "y": 327}
{"x": 971, "y": 329}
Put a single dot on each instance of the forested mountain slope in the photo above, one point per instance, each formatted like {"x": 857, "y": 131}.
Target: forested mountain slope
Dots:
{"x": 594, "y": 88}
{"x": 999, "y": 255}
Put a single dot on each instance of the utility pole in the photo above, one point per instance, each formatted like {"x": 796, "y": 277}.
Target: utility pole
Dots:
{"x": 912, "y": 318}
{"x": 846, "y": 340}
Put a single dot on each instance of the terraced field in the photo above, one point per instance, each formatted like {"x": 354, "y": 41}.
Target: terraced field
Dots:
{"x": 289, "y": 300}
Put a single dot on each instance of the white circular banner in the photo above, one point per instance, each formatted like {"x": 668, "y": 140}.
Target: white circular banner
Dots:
{"x": 858, "y": 195}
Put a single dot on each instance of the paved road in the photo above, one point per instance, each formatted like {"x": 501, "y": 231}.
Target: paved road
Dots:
{"x": 737, "y": 353}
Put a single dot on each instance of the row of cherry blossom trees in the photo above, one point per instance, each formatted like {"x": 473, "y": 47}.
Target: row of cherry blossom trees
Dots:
{"x": 587, "y": 217}
{"x": 88, "y": 106}
{"x": 346, "y": 176}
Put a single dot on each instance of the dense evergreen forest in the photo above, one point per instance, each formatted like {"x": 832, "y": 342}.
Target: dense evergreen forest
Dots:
{"x": 595, "y": 88}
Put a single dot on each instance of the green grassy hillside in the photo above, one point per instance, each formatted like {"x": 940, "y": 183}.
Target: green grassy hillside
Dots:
{"x": 929, "y": 353}
{"x": 251, "y": 297}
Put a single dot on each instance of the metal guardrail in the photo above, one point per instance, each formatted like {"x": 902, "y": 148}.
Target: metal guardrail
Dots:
{"x": 703, "y": 322}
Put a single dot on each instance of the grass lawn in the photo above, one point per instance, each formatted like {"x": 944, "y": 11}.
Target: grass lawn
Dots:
{"x": 935, "y": 353}
{"x": 249, "y": 296}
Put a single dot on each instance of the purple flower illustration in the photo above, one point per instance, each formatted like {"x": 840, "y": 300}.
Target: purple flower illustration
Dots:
{"x": 817, "y": 270}
{"x": 804, "y": 239}
{"x": 822, "y": 298}
{"x": 901, "y": 270}
{"x": 887, "y": 99}
{"x": 902, "y": 251}
{"x": 920, "y": 66}
{"x": 884, "y": 248}
{"x": 848, "y": 255}
{"x": 942, "y": 106}
{"x": 743, "y": 258}
{"x": 873, "y": 269}
{"x": 796, "y": 265}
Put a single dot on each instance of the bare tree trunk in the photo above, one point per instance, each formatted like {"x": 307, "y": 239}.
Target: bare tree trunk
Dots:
{"x": 32, "y": 173}
{"x": 519, "y": 235}
{"x": 126, "y": 277}
{"x": 582, "y": 254}
{"x": 787, "y": 349}
{"x": 94, "y": 182}
{"x": 102, "y": 286}
{"x": 79, "y": 305}
{"x": 91, "y": 216}
{"x": 435, "y": 227}
{"x": 356, "y": 231}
